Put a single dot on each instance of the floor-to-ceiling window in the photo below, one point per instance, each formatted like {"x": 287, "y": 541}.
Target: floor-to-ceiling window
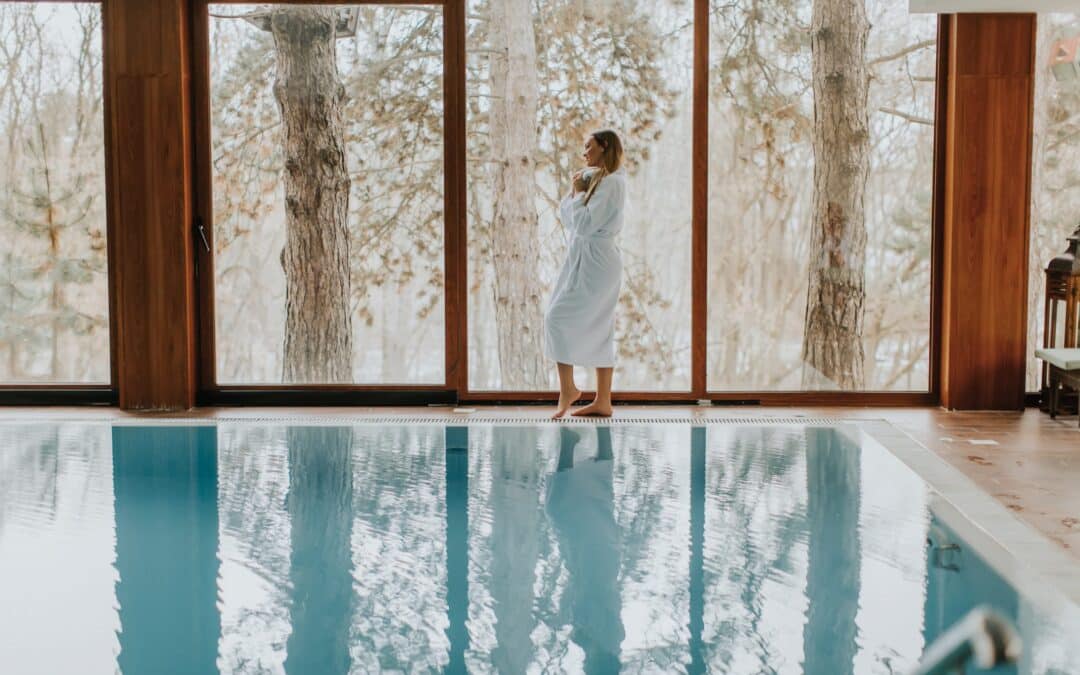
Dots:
{"x": 540, "y": 78}
{"x": 326, "y": 156}
{"x": 821, "y": 156}
{"x": 384, "y": 214}
{"x": 54, "y": 296}
{"x": 1055, "y": 178}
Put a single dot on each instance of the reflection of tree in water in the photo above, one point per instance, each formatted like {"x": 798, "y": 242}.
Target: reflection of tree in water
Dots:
{"x": 254, "y": 482}
{"x": 399, "y": 555}
{"x": 390, "y": 528}
{"x": 512, "y": 574}
{"x": 37, "y": 458}
{"x": 580, "y": 504}
{"x": 646, "y": 484}
{"x": 649, "y": 492}
{"x": 832, "y": 580}
{"x": 515, "y": 543}
{"x": 320, "y": 508}
{"x": 745, "y": 547}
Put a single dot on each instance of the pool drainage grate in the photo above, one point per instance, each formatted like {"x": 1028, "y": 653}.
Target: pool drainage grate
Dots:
{"x": 450, "y": 419}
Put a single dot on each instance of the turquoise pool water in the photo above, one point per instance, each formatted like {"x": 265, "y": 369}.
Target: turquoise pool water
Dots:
{"x": 261, "y": 548}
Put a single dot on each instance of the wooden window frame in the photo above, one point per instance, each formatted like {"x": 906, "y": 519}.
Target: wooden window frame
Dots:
{"x": 456, "y": 385}
{"x": 66, "y": 393}
{"x": 212, "y": 393}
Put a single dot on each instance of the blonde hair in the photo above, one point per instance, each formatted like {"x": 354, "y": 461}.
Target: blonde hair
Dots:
{"x": 610, "y": 159}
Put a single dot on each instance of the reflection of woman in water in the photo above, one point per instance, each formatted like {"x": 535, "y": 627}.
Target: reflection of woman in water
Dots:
{"x": 580, "y": 505}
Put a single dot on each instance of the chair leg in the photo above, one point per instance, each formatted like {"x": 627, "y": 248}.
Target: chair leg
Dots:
{"x": 1053, "y": 394}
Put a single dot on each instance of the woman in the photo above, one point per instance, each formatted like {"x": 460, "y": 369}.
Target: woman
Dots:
{"x": 579, "y": 328}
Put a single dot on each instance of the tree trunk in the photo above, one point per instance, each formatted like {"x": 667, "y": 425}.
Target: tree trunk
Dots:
{"x": 309, "y": 92}
{"x": 515, "y": 230}
{"x": 832, "y": 334}
{"x": 52, "y": 231}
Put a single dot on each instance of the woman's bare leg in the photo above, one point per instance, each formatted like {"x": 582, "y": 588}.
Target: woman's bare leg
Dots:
{"x": 601, "y": 405}
{"x": 568, "y": 391}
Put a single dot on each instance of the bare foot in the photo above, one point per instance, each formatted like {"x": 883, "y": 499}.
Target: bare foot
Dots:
{"x": 594, "y": 409}
{"x": 565, "y": 401}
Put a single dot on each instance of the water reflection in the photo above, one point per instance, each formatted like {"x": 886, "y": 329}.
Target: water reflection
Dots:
{"x": 832, "y": 578}
{"x": 515, "y": 525}
{"x": 165, "y": 483}
{"x": 254, "y": 540}
{"x": 754, "y": 545}
{"x": 484, "y": 549}
{"x": 57, "y": 580}
{"x": 320, "y": 505}
{"x": 697, "y": 550}
{"x": 457, "y": 546}
{"x": 580, "y": 506}
{"x": 401, "y": 506}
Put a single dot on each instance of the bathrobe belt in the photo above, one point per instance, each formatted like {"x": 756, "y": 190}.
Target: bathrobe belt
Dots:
{"x": 591, "y": 237}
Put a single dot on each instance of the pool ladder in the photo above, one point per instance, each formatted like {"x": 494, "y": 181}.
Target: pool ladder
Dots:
{"x": 983, "y": 637}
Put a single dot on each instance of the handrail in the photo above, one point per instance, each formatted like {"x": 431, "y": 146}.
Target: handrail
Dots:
{"x": 984, "y": 636}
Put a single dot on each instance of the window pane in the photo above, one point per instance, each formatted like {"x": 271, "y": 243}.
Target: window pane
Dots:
{"x": 1055, "y": 181}
{"x": 622, "y": 66}
{"x": 54, "y": 292}
{"x": 327, "y": 160}
{"x": 868, "y": 327}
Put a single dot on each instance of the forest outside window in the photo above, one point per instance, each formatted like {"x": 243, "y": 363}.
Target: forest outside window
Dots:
{"x": 329, "y": 255}
{"x": 327, "y": 167}
{"x": 539, "y": 78}
{"x": 820, "y": 197}
{"x": 54, "y": 296}
{"x": 1055, "y": 178}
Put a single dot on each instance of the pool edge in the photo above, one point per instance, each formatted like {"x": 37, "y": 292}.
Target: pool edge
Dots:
{"x": 1016, "y": 549}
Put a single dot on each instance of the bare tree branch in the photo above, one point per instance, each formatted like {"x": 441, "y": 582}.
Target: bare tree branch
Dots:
{"x": 915, "y": 119}
{"x": 902, "y": 53}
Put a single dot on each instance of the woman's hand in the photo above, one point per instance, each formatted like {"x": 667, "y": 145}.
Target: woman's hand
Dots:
{"x": 575, "y": 181}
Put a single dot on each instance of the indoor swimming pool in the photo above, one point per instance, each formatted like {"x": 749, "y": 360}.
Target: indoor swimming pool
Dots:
{"x": 269, "y": 547}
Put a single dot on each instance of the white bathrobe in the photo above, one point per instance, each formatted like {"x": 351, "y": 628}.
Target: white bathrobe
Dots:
{"x": 579, "y": 328}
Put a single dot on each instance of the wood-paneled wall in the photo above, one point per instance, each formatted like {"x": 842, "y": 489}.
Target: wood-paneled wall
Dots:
{"x": 987, "y": 190}
{"x": 147, "y": 75}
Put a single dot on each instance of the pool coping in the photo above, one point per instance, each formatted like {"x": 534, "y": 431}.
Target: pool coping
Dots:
{"x": 1013, "y": 548}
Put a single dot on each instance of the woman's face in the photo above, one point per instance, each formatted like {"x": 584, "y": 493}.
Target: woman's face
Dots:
{"x": 593, "y": 152}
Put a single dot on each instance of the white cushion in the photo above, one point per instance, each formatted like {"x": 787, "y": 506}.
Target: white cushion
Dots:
{"x": 1066, "y": 359}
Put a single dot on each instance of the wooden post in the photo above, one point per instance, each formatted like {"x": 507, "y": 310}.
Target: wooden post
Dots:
{"x": 987, "y": 196}
{"x": 699, "y": 233}
{"x": 148, "y": 125}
